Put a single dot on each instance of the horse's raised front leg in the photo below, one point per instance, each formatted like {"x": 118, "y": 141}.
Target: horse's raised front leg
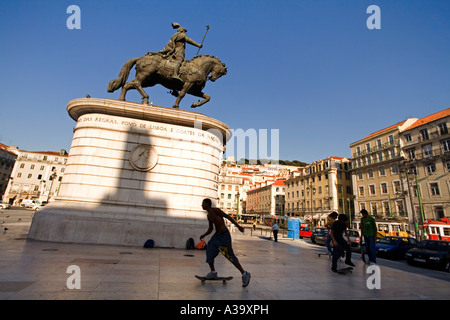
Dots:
{"x": 182, "y": 93}
{"x": 205, "y": 97}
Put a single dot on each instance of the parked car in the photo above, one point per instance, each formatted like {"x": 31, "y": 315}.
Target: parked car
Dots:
{"x": 394, "y": 247}
{"x": 321, "y": 237}
{"x": 28, "y": 203}
{"x": 5, "y": 206}
{"x": 431, "y": 253}
{"x": 315, "y": 232}
{"x": 355, "y": 239}
{"x": 305, "y": 232}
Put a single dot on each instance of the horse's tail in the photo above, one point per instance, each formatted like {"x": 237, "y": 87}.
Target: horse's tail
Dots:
{"x": 113, "y": 85}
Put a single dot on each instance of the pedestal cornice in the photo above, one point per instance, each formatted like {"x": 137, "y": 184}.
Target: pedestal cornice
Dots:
{"x": 82, "y": 106}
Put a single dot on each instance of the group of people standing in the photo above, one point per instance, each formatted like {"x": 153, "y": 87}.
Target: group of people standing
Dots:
{"x": 336, "y": 224}
{"x": 337, "y": 228}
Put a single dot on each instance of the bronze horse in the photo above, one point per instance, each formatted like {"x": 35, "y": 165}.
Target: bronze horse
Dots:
{"x": 153, "y": 69}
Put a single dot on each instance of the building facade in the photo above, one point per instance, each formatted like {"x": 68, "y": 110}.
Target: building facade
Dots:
{"x": 426, "y": 146}
{"x": 320, "y": 188}
{"x": 376, "y": 172}
{"x": 267, "y": 202}
{"x": 36, "y": 175}
{"x": 401, "y": 174}
{"x": 7, "y": 160}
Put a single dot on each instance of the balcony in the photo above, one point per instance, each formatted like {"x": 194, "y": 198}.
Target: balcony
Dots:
{"x": 382, "y": 147}
{"x": 396, "y": 156}
{"x": 423, "y": 155}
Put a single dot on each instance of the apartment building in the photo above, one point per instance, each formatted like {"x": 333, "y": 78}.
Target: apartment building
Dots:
{"x": 7, "y": 160}
{"x": 426, "y": 145}
{"x": 267, "y": 201}
{"x": 376, "y": 173}
{"x": 401, "y": 173}
{"x": 36, "y": 175}
{"x": 320, "y": 188}
{"x": 230, "y": 192}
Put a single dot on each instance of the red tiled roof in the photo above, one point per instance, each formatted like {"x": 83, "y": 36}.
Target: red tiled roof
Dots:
{"x": 278, "y": 183}
{"x": 430, "y": 118}
{"x": 385, "y": 129}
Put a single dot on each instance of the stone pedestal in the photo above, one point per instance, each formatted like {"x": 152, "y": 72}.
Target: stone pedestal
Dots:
{"x": 134, "y": 172}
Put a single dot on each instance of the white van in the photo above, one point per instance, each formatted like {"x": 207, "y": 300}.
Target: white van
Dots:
{"x": 28, "y": 203}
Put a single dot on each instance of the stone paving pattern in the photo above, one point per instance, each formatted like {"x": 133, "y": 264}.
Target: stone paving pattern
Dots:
{"x": 285, "y": 270}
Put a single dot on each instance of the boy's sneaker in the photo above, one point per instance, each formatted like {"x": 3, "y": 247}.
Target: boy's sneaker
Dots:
{"x": 246, "y": 278}
{"x": 211, "y": 275}
{"x": 334, "y": 270}
{"x": 350, "y": 263}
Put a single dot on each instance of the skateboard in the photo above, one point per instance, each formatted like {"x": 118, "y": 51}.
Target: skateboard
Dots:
{"x": 319, "y": 254}
{"x": 223, "y": 279}
{"x": 345, "y": 270}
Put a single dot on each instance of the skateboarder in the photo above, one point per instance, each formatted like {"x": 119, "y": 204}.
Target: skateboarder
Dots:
{"x": 221, "y": 241}
{"x": 337, "y": 230}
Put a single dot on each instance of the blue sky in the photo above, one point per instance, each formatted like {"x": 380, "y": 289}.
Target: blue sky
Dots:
{"x": 310, "y": 68}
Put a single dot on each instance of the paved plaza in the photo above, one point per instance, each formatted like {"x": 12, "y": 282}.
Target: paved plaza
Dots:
{"x": 284, "y": 270}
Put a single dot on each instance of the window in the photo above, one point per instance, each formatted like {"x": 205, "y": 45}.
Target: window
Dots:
{"x": 387, "y": 210}
{"x": 381, "y": 171}
{"x": 439, "y": 214}
{"x": 368, "y": 147}
{"x": 446, "y": 145}
{"x": 396, "y": 185}
{"x": 374, "y": 208}
{"x": 383, "y": 187}
{"x": 400, "y": 207}
{"x": 430, "y": 168}
{"x": 370, "y": 173}
{"x": 411, "y": 154}
{"x": 427, "y": 152}
{"x": 424, "y": 134}
{"x": 434, "y": 189}
{"x": 361, "y": 191}
{"x": 391, "y": 140}
{"x": 412, "y": 170}
{"x": 372, "y": 189}
{"x": 408, "y": 137}
{"x": 442, "y": 128}
{"x": 380, "y": 156}
{"x": 394, "y": 168}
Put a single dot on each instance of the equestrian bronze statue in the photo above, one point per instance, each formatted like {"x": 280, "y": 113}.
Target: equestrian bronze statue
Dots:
{"x": 169, "y": 68}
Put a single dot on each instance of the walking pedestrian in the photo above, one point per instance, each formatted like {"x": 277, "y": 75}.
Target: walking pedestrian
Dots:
{"x": 275, "y": 229}
{"x": 369, "y": 232}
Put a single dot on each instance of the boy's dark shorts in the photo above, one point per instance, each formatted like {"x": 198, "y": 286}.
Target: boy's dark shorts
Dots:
{"x": 220, "y": 242}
